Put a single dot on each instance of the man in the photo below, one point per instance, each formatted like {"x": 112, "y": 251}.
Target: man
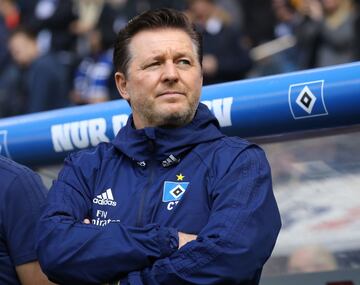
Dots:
{"x": 42, "y": 79}
{"x": 171, "y": 200}
{"x": 225, "y": 57}
{"x": 21, "y": 195}
{"x": 9, "y": 20}
{"x": 93, "y": 79}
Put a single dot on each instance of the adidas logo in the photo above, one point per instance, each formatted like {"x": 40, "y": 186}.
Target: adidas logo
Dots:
{"x": 106, "y": 198}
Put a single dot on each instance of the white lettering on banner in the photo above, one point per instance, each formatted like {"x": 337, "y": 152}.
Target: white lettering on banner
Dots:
{"x": 60, "y": 136}
{"x": 97, "y": 129}
{"x": 118, "y": 122}
{"x": 221, "y": 109}
{"x": 79, "y": 134}
{"x": 82, "y": 134}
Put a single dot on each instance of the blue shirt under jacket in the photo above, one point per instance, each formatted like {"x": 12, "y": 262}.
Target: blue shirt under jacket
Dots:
{"x": 21, "y": 196}
{"x": 146, "y": 185}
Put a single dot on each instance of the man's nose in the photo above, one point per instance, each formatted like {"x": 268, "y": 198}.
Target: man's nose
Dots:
{"x": 170, "y": 72}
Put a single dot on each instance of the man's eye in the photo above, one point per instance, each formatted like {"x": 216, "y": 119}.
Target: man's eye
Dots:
{"x": 184, "y": 62}
{"x": 153, "y": 64}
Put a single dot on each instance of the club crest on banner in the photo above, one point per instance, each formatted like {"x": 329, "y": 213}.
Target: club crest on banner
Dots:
{"x": 307, "y": 100}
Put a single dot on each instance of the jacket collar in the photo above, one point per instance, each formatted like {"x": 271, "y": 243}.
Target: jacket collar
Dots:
{"x": 167, "y": 144}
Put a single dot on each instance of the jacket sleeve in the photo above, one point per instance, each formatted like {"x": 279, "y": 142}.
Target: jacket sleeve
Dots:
{"x": 71, "y": 252}
{"x": 240, "y": 234}
{"x": 19, "y": 213}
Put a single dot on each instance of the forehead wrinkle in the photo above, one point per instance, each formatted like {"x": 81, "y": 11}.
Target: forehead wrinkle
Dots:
{"x": 169, "y": 52}
{"x": 159, "y": 46}
{"x": 153, "y": 44}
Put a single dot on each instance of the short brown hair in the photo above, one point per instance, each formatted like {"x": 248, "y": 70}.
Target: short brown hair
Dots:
{"x": 22, "y": 30}
{"x": 152, "y": 19}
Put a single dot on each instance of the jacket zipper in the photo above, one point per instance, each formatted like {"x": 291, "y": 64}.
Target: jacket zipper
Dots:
{"x": 139, "y": 220}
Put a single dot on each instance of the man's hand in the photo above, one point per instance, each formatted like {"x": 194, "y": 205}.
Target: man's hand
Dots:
{"x": 185, "y": 238}
{"x": 86, "y": 221}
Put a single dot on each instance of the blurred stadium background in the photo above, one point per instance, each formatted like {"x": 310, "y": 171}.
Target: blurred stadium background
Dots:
{"x": 283, "y": 73}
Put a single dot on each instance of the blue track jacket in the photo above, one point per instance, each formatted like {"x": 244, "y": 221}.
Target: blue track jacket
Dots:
{"x": 21, "y": 196}
{"x": 144, "y": 187}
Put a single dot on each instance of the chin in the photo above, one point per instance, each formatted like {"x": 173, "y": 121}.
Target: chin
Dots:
{"x": 176, "y": 119}
{"x": 175, "y": 108}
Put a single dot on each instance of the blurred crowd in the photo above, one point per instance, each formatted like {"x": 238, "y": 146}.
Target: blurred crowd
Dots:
{"x": 56, "y": 53}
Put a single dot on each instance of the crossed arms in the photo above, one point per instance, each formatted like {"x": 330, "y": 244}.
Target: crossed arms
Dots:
{"x": 230, "y": 249}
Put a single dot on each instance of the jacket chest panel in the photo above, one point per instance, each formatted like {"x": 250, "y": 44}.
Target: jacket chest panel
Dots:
{"x": 179, "y": 197}
{"x": 116, "y": 197}
{"x": 175, "y": 197}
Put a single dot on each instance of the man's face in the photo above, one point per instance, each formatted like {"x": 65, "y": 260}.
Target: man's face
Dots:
{"x": 23, "y": 49}
{"x": 164, "y": 79}
{"x": 331, "y": 6}
{"x": 202, "y": 10}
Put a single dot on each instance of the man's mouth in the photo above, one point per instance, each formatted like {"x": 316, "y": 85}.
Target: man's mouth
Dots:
{"x": 171, "y": 93}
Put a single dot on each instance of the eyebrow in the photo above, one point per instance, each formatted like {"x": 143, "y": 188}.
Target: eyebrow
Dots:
{"x": 177, "y": 55}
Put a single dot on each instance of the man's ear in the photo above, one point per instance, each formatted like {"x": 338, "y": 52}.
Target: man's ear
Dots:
{"x": 120, "y": 81}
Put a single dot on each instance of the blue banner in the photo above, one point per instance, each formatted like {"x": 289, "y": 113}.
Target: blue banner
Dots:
{"x": 299, "y": 101}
